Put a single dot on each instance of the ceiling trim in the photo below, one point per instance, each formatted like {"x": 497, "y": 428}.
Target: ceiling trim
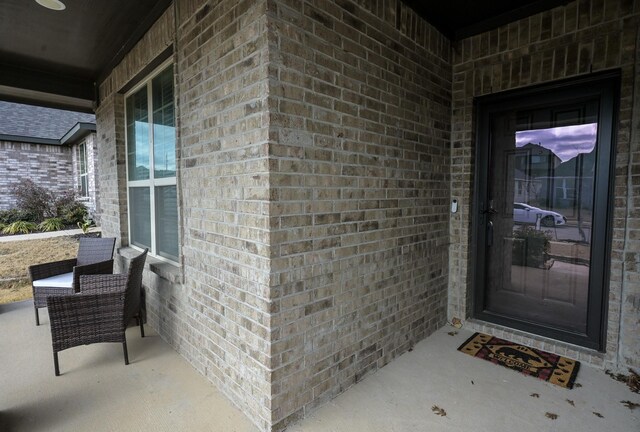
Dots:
{"x": 49, "y": 100}
{"x": 506, "y": 18}
{"x": 46, "y": 82}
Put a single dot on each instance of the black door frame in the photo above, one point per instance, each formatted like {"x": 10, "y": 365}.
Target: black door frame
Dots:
{"x": 605, "y": 86}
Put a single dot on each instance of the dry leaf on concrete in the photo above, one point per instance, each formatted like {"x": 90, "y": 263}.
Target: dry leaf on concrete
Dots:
{"x": 630, "y": 405}
{"x": 452, "y": 333}
{"x": 570, "y": 402}
{"x": 552, "y": 416}
{"x": 597, "y": 414}
{"x": 439, "y": 411}
{"x": 632, "y": 380}
{"x": 535, "y": 395}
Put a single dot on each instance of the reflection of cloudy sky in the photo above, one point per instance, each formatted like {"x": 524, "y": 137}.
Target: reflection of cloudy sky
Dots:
{"x": 565, "y": 141}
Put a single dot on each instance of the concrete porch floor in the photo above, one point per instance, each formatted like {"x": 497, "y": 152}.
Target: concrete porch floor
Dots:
{"x": 160, "y": 391}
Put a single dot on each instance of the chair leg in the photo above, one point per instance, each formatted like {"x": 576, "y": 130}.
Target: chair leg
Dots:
{"x": 141, "y": 324}
{"x": 55, "y": 363}
{"x": 126, "y": 354}
{"x": 37, "y": 316}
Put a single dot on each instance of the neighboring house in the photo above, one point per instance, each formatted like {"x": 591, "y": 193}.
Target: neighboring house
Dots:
{"x": 54, "y": 148}
{"x": 291, "y": 167}
{"x": 542, "y": 179}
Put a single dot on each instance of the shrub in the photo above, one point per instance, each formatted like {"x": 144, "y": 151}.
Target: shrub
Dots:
{"x": 73, "y": 213}
{"x": 36, "y": 203}
{"x": 14, "y": 215}
{"x": 51, "y": 224}
{"x": 530, "y": 247}
{"x": 20, "y": 227}
{"x": 35, "y": 200}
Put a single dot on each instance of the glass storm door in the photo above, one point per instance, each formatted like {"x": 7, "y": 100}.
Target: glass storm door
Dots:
{"x": 543, "y": 198}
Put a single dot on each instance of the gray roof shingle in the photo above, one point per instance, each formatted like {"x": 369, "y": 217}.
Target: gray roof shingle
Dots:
{"x": 38, "y": 122}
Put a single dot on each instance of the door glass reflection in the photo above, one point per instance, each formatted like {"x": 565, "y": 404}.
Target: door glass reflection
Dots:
{"x": 553, "y": 173}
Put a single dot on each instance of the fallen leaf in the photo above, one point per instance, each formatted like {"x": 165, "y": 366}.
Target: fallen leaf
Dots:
{"x": 552, "y": 416}
{"x": 439, "y": 411}
{"x": 472, "y": 383}
{"x": 456, "y": 322}
{"x": 597, "y": 414}
{"x": 630, "y": 405}
{"x": 452, "y": 333}
{"x": 577, "y": 385}
{"x": 570, "y": 402}
{"x": 632, "y": 380}
{"x": 535, "y": 395}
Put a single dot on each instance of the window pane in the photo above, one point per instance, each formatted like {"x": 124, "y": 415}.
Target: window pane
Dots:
{"x": 140, "y": 216}
{"x": 138, "y": 135}
{"x": 84, "y": 189}
{"x": 167, "y": 222}
{"x": 82, "y": 158}
{"x": 164, "y": 135}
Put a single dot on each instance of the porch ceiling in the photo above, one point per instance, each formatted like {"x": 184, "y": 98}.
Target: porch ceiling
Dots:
{"x": 458, "y": 19}
{"x": 55, "y": 58}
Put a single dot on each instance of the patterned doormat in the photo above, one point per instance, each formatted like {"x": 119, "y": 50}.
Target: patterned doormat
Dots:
{"x": 529, "y": 361}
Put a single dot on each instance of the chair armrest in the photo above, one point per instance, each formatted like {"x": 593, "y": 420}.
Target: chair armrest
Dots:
{"x": 96, "y": 284}
{"x": 41, "y": 271}
{"x": 104, "y": 267}
{"x": 79, "y": 319}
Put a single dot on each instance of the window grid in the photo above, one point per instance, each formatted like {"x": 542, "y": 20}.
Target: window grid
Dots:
{"x": 151, "y": 183}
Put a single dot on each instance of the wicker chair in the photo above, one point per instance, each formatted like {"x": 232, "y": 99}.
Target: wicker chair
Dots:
{"x": 95, "y": 256}
{"x": 100, "y": 312}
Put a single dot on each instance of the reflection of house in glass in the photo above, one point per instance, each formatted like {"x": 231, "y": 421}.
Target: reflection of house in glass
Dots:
{"x": 573, "y": 184}
{"x": 534, "y": 166}
{"x": 543, "y": 180}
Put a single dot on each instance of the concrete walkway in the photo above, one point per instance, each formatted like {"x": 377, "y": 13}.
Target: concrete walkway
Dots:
{"x": 44, "y": 235}
{"x": 159, "y": 391}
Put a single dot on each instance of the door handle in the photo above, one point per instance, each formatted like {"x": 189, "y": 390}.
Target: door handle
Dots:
{"x": 489, "y": 234}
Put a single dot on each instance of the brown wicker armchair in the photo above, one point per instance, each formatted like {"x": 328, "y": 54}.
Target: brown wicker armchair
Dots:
{"x": 95, "y": 256}
{"x": 100, "y": 312}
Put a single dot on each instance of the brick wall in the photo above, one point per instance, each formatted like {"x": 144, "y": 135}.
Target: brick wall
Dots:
{"x": 576, "y": 39}
{"x": 314, "y": 175}
{"x": 360, "y": 126}
{"x": 48, "y": 166}
{"x": 214, "y": 308}
{"x": 223, "y": 85}
{"x": 317, "y": 155}
{"x": 111, "y": 167}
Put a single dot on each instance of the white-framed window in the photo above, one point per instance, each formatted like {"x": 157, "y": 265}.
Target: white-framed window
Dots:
{"x": 151, "y": 164}
{"x": 83, "y": 182}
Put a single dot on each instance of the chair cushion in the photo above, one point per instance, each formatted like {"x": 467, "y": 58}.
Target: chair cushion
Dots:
{"x": 64, "y": 280}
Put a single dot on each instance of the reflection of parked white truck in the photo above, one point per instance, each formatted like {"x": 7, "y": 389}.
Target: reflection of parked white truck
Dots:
{"x": 526, "y": 214}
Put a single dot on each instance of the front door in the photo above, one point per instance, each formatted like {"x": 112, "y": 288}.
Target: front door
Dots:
{"x": 542, "y": 223}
